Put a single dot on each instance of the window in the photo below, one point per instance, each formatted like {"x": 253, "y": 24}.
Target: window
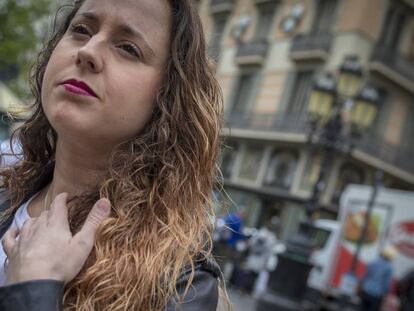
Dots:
{"x": 243, "y": 201}
{"x": 348, "y": 174}
{"x": 384, "y": 111}
{"x": 219, "y": 23}
{"x": 281, "y": 169}
{"x": 410, "y": 49}
{"x": 251, "y": 162}
{"x": 270, "y": 215}
{"x": 407, "y": 142}
{"x": 243, "y": 92}
{"x": 299, "y": 96}
{"x": 264, "y": 20}
{"x": 393, "y": 26}
{"x": 324, "y": 16}
{"x": 228, "y": 156}
{"x": 320, "y": 237}
{"x": 312, "y": 169}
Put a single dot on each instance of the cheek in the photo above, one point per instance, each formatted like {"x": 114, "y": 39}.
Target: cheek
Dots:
{"x": 55, "y": 65}
{"x": 133, "y": 99}
{"x": 47, "y": 88}
{"x": 141, "y": 84}
{"x": 47, "y": 81}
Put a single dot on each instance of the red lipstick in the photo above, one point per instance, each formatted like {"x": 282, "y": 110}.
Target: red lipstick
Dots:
{"x": 78, "y": 87}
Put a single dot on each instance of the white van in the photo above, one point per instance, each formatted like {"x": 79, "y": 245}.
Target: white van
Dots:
{"x": 391, "y": 223}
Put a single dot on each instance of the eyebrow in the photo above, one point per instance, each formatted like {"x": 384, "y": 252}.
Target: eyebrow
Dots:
{"x": 123, "y": 28}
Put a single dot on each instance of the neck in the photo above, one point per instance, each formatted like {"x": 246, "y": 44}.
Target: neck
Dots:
{"x": 77, "y": 169}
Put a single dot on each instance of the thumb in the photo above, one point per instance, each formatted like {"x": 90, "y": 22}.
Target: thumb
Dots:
{"x": 99, "y": 212}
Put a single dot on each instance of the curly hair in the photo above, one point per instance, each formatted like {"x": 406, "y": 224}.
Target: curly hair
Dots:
{"x": 159, "y": 183}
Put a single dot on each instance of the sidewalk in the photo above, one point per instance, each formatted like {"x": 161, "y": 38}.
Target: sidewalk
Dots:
{"x": 240, "y": 301}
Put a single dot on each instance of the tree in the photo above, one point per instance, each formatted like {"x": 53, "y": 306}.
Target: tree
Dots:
{"x": 20, "y": 31}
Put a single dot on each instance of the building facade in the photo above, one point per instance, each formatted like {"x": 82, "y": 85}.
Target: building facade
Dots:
{"x": 268, "y": 54}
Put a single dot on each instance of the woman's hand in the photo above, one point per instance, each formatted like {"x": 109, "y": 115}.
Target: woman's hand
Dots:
{"x": 45, "y": 247}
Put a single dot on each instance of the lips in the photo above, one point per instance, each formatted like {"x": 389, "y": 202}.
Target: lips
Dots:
{"x": 78, "y": 87}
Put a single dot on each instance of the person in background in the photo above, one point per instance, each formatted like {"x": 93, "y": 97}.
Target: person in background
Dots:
{"x": 405, "y": 291}
{"x": 232, "y": 237}
{"x": 234, "y": 223}
{"x": 262, "y": 258}
{"x": 376, "y": 282}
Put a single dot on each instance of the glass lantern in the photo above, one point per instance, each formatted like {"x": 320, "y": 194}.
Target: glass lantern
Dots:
{"x": 350, "y": 77}
{"x": 365, "y": 108}
{"x": 322, "y": 98}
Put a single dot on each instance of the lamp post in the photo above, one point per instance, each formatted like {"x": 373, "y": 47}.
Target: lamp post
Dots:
{"x": 367, "y": 217}
{"x": 340, "y": 110}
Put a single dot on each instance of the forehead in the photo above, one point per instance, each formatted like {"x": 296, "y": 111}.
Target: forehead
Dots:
{"x": 150, "y": 16}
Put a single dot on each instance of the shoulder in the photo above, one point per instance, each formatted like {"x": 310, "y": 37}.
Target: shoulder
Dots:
{"x": 206, "y": 270}
{"x": 203, "y": 291}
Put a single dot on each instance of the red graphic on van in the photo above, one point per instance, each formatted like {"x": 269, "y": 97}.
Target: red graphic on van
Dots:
{"x": 402, "y": 237}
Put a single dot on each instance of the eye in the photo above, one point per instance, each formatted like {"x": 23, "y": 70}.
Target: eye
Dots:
{"x": 80, "y": 29}
{"x": 131, "y": 49}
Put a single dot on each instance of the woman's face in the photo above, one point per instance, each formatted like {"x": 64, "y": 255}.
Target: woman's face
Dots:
{"x": 103, "y": 76}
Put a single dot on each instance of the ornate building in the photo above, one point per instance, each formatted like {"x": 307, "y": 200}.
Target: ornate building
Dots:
{"x": 268, "y": 55}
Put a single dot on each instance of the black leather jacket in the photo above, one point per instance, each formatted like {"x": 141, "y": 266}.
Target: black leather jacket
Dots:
{"x": 46, "y": 295}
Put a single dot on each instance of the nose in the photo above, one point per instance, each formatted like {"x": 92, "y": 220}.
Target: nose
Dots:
{"x": 89, "y": 57}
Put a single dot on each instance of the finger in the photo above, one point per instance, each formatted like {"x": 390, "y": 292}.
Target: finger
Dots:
{"x": 28, "y": 227}
{"x": 9, "y": 240}
{"x": 99, "y": 212}
{"x": 27, "y": 224}
{"x": 58, "y": 213}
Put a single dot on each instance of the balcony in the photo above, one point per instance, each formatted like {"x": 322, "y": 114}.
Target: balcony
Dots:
{"x": 267, "y": 122}
{"x": 252, "y": 53}
{"x": 387, "y": 62}
{"x": 259, "y": 2}
{"x": 311, "y": 47}
{"x": 294, "y": 129}
{"x": 399, "y": 156}
{"x": 221, "y": 6}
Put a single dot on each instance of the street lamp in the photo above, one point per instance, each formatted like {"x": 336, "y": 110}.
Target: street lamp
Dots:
{"x": 322, "y": 98}
{"x": 350, "y": 76}
{"x": 365, "y": 108}
{"x": 330, "y": 101}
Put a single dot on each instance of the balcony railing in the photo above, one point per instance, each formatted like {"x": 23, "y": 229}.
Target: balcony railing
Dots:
{"x": 398, "y": 155}
{"x": 221, "y": 6}
{"x": 311, "y": 46}
{"x": 268, "y": 122}
{"x": 394, "y": 66}
{"x": 253, "y": 52}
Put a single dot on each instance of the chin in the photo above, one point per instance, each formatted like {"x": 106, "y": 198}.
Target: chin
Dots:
{"x": 69, "y": 119}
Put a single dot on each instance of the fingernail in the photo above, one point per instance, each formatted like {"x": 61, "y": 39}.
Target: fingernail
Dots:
{"x": 104, "y": 205}
{"x": 63, "y": 195}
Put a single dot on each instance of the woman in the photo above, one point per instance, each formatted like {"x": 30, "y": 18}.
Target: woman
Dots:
{"x": 126, "y": 119}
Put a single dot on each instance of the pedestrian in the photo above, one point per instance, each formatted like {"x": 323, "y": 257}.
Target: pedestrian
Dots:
{"x": 405, "y": 291}
{"x": 234, "y": 244}
{"x": 376, "y": 282}
{"x": 234, "y": 223}
{"x": 109, "y": 205}
{"x": 263, "y": 257}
